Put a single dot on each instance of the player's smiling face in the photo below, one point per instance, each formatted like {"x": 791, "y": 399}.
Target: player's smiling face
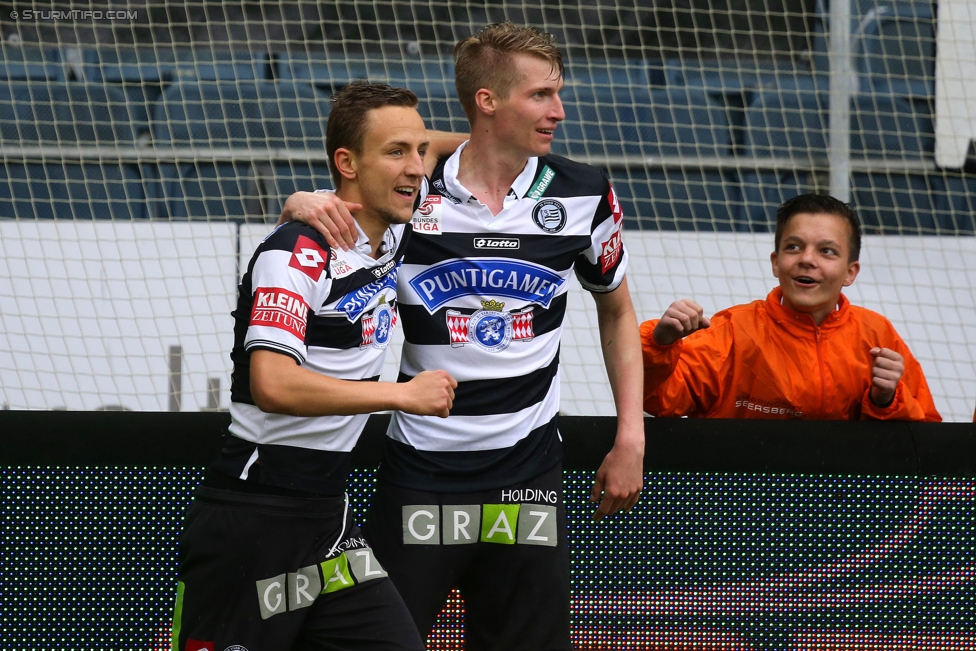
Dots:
{"x": 390, "y": 168}
{"x": 812, "y": 263}
{"x": 528, "y": 117}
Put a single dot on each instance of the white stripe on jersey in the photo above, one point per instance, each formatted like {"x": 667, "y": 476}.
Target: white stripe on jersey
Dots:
{"x": 483, "y": 299}
{"x": 251, "y": 424}
{"x": 490, "y": 432}
{"x": 273, "y": 269}
{"x": 522, "y": 358}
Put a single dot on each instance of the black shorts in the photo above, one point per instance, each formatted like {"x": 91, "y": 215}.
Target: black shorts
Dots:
{"x": 271, "y": 573}
{"x": 504, "y": 549}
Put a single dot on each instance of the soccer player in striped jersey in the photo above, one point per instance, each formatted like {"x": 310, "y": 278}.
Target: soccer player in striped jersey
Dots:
{"x": 475, "y": 500}
{"x": 270, "y": 558}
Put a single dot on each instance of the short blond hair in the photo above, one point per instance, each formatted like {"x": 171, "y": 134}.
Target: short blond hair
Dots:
{"x": 485, "y": 60}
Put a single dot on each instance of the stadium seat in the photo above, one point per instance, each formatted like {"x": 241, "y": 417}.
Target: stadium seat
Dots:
{"x": 957, "y": 212}
{"x": 228, "y": 116}
{"x": 30, "y": 63}
{"x": 901, "y": 203}
{"x": 895, "y": 50}
{"x": 606, "y": 127}
{"x": 895, "y": 132}
{"x": 787, "y": 128}
{"x": 790, "y": 129}
{"x": 205, "y": 64}
{"x": 141, "y": 73}
{"x": 56, "y": 179}
{"x": 326, "y": 71}
{"x": 296, "y": 115}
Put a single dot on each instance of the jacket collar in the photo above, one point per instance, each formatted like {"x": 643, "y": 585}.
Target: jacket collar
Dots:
{"x": 801, "y": 322}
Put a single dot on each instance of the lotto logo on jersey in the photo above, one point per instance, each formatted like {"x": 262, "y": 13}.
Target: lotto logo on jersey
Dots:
{"x": 279, "y": 308}
{"x": 427, "y": 219}
{"x": 309, "y": 258}
{"x": 612, "y": 249}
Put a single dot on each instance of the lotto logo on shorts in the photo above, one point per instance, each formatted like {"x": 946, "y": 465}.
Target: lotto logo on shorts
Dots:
{"x": 467, "y": 524}
{"x": 297, "y": 590}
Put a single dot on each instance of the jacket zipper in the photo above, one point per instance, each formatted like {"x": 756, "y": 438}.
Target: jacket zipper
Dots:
{"x": 823, "y": 378}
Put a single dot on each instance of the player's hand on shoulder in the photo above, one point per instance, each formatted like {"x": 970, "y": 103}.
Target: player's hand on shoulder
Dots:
{"x": 682, "y": 317}
{"x": 430, "y": 393}
{"x": 886, "y": 372}
{"x": 326, "y": 213}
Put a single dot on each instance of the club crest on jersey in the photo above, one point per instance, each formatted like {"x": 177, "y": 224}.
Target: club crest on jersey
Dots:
{"x": 549, "y": 215}
{"x": 378, "y": 326}
{"x": 427, "y": 218}
{"x": 309, "y": 258}
{"x": 490, "y": 328}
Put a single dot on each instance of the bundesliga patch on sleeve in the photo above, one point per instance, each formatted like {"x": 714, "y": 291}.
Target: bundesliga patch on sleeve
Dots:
{"x": 309, "y": 258}
{"x": 279, "y": 308}
{"x": 427, "y": 219}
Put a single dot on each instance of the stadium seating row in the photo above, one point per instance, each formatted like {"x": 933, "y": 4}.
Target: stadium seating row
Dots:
{"x": 689, "y": 145}
{"x": 224, "y": 149}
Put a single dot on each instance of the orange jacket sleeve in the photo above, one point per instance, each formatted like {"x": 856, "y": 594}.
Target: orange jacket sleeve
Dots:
{"x": 687, "y": 377}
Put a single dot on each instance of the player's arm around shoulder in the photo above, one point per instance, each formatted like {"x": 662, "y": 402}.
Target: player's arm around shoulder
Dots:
{"x": 620, "y": 477}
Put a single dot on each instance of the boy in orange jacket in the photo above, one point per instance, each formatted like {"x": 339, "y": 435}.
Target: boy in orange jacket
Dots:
{"x": 803, "y": 352}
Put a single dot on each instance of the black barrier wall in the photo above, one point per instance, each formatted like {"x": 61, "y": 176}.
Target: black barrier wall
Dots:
{"x": 749, "y": 535}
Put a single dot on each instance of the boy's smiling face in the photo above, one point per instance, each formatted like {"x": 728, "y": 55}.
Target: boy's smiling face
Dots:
{"x": 813, "y": 263}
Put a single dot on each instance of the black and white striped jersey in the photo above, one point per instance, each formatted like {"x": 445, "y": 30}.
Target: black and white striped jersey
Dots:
{"x": 483, "y": 296}
{"x": 333, "y": 312}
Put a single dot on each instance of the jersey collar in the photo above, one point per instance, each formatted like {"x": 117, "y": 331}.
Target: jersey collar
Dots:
{"x": 521, "y": 186}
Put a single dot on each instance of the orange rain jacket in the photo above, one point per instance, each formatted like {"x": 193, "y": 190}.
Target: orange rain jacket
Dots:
{"x": 764, "y": 360}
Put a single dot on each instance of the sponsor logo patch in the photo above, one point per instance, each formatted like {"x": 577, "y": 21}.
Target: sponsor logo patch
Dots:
{"x": 611, "y": 250}
{"x": 427, "y": 218}
{"x": 524, "y": 281}
{"x": 309, "y": 258}
{"x": 549, "y": 215}
{"x": 354, "y": 304}
{"x": 503, "y": 243}
{"x": 279, "y": 308}
{"x": 618, "y": 214}
{"x": 341, "y": 267}
{"x": 545, "y": 178}
{"x": 197, "y": 645}
{"x": 379, "y": 272}
{"x": 296, "y": 590}
{"x": 467, "y": 524}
